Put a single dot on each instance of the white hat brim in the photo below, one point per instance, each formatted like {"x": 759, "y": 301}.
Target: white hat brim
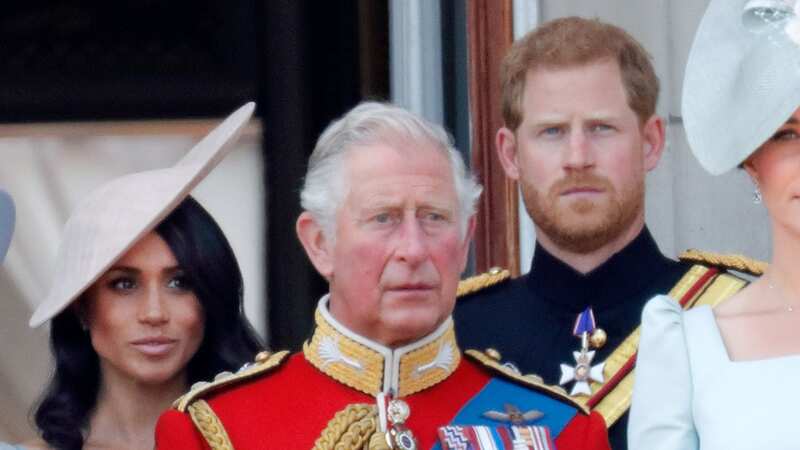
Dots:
{"x": 111, "y": 219}
{"x": 741, "y": 84}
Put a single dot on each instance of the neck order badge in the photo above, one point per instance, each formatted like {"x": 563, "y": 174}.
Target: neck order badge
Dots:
{"x": 583, "y": 372}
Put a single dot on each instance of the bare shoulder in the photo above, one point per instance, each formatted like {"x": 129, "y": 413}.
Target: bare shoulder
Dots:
{"x": 739, "y": 304}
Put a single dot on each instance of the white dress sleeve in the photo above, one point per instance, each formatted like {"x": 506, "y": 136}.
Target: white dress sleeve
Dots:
{"x": 661, "y": 410}
{"x": 7, "y": 446}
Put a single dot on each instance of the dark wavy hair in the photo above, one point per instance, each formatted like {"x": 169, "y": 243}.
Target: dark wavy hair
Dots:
{"x": 229, "y": 341}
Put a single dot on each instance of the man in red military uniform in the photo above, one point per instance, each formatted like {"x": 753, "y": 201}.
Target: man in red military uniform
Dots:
{"x": 388, "y": 218}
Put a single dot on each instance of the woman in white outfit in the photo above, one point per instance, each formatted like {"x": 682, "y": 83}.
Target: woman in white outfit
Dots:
{"x": 728, "y": 378}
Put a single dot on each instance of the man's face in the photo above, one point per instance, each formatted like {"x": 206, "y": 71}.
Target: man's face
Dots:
{"x": 399, "y": 250}
{"x": 580, "y": 155}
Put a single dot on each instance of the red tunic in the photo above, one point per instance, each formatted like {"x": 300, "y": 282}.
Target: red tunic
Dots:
{"x": 288, "y": 409}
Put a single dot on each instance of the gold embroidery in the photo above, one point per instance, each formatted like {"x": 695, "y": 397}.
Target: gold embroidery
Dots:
{"x": 528, "y": 380}
{"x": 262, "y": 366}
{"x": 428, "y": 365}
{"x": 363, "y": 368}
{"x": 739, "y": 263}
{"x": 355, "y": 365}
{"x": 472, "y": 284}
{"x": 209, "y": 426}
{"x": 350, "y": 428}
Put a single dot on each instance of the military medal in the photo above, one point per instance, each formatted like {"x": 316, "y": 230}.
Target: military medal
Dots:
{"x": 482, "y": 437}
{"x": 583, "y": 372}
{"x": 398, "y": 436}
{"x": 513, "y": 415}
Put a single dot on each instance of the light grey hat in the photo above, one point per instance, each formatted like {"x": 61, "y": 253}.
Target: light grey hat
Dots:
{"x": 7, "y": 216}
{"x": 111, "y": 219}
{"x": 742, "y": 79}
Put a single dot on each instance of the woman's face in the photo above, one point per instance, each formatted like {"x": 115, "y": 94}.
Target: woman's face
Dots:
{"x": 145, "y": 322}
{"x": 776, "y": 169}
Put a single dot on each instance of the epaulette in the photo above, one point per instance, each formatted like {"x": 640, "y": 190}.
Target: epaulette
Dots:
{"x": 264, "y": 363}
{"x": 706, "y": 283}
{"x": 491, "y": 360}
{"x": 739, "y": 263}
{"x": 476, "y": 283}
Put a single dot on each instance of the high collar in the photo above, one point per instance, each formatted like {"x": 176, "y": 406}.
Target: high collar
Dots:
{"x": 372, "y": 368}
{"x": 616, "y": 281}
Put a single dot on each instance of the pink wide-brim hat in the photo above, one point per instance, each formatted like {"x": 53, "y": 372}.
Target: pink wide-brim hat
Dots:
{"x": 7, "y": 216}
{"x": 112, "y": 219}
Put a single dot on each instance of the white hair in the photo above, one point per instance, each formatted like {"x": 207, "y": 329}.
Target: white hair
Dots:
{"x": 324, "y": 188}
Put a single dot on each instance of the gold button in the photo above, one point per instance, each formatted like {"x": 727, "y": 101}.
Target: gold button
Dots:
{"x": 222, "y": 375}
{"x": 199, "y": 385}
{"x": 598, "y": 338}
{"x": 535, "y": 378}
{"x": 559, "y": 389}
{"x": 262, "y": 357}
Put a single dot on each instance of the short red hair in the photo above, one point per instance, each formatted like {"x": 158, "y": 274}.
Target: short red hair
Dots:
{"x": 575, "y": 41}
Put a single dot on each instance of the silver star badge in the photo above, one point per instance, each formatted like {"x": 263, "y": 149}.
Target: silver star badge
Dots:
{"x": 583, "y": 373}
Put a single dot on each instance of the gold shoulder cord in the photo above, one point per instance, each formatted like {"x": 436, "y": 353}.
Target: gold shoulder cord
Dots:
{"x": 618, "y": 400}
{"x": 354, "y": 427}
{"x": 490, "y": 360}
{"x": 715, "y": 291}
{"x": 473, "y": 284}
{"x": 203, "y": 417}
{"x": 209, "y": 425}
{"x": 739, "y": 263}
{"x": 265, "y": 362}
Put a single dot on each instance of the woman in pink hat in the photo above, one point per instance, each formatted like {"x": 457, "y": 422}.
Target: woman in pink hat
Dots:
{"x": 146, "y": 301}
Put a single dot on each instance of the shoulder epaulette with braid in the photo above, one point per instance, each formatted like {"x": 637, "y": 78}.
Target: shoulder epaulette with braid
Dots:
{"x": 492, "y": 363}
{"x": 739, "y": 263}
{"x": 264, "y": 362}
{"x": 476, "y": 283}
